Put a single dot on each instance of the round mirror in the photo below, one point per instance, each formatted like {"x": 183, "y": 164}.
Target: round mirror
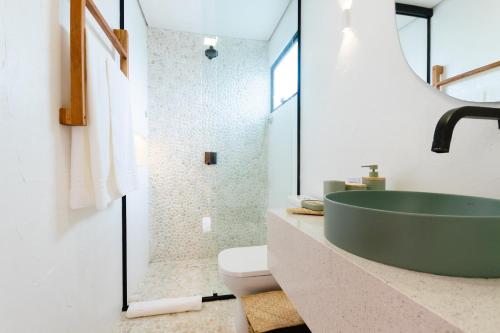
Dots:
{"x": 453, "y": 45}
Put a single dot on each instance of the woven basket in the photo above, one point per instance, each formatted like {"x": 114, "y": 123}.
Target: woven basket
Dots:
{"x": 270, "y": 311}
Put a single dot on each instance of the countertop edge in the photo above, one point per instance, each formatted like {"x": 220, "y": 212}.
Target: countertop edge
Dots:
{"x": 331, "y": 261}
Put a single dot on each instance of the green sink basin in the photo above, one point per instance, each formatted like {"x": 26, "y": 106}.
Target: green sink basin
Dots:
{"x": 427, "y": 232}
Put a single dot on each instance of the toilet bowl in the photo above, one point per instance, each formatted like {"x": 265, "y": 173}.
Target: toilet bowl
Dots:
{"x": 244, "y": 271}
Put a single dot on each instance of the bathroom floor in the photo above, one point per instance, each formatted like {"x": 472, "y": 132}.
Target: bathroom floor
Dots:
{"x": 177, "y": 279}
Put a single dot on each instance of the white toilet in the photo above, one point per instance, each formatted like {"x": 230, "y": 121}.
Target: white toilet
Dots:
{"x": 244, "y": 271}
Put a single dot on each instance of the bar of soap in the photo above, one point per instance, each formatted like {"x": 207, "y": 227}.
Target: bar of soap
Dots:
{"x": 355, "y": 187}
{"x": 304, "y": 211}
{"x": 316, "y": 205}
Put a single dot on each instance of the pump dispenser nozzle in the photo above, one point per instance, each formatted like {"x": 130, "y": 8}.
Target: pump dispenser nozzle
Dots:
{"x": 373, "y": 181}
{"x": 373, "y": 169}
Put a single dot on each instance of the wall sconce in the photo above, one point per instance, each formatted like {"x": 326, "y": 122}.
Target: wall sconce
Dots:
{"x": 346, "y": 4}
{"x": 346, "y": 19}
{"x": 349, "y": 40}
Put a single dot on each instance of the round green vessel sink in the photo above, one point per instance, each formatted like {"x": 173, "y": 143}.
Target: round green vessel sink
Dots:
{"x": 428, "y": 232}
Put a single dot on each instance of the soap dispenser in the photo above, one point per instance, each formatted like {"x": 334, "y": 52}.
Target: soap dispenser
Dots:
{"x": 373, "y": 181}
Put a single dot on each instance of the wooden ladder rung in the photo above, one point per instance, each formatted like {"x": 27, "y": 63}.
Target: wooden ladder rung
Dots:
{"x": 76, "y": 115}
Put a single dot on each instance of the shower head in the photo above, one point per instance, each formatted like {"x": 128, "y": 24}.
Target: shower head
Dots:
{"x": 211, "y": 53}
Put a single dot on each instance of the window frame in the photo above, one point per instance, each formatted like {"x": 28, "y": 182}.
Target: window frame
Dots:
{"x": 425, "y": 13}
{"x": 283, "y": 54}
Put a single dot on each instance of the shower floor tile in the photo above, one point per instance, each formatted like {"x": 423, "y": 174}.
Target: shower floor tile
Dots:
{"x": 177, "y": 279}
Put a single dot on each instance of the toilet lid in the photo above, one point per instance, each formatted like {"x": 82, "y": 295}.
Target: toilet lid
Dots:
{"x": 244, "y": 261}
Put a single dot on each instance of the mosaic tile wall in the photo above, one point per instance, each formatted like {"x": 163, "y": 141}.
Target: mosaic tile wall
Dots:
{"x": 199, "y": 105}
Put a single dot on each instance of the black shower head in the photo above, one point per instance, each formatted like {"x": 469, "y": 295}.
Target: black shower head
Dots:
{"x": 211, "y": 53}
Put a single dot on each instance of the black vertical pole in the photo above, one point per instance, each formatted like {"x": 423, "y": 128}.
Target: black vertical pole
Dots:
{"x": 299, "y": 25}
{"x": 429, "y": 45}
{"x": 124, "y": 253}
{"x": 122, "y": 14}
{"x": 124, "y": 206}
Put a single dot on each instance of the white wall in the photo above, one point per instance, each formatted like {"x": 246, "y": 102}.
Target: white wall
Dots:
{"x": 282, "y": 132}
{"x": 284, "y": 32}
{"x": 465, "y": 37}
{"x": 362, "y": 104}
{"x": 60, "y": 269}
{"x": 282, "y": 151}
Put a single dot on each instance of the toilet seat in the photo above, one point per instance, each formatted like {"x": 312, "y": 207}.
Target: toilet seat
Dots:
{"x": 244, "y": 262}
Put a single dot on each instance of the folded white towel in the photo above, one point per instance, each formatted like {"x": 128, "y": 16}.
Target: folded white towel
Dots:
{"x": 91, "y": 178}
{"x": 122, "y": 139}
{"x": 162, "y": 306}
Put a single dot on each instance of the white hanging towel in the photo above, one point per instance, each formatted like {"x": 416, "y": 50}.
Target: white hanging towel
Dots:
{"x": 92, "y": 182}
{"x": 122, "y": 139}
{"x": 81, "y": 187}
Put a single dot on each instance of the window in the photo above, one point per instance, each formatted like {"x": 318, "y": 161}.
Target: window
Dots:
{"x": 285, "y": 75}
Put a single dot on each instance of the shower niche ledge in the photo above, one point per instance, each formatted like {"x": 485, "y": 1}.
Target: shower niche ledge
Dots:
{"x": 336, "y": 290}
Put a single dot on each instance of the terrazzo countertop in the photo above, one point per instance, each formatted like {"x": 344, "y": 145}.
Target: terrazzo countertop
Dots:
{"x": 337, "y": 291}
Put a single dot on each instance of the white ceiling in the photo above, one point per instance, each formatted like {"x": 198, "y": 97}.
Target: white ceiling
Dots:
{"x": 254, "y": 19}
{"x": 421, "y": 3}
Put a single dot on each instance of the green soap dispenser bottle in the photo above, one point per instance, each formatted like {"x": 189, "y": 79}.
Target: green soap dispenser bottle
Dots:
{"x": 374, "y": 182}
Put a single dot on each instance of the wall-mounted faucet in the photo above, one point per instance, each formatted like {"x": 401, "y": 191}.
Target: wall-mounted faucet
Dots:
{"x": 446, "y": 125}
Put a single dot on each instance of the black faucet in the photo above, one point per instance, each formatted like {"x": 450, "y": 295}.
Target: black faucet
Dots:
{"x": 446, "y": 125}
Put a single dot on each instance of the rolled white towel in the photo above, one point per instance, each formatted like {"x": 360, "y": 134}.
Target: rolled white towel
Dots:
{"x": 163, "y": 306}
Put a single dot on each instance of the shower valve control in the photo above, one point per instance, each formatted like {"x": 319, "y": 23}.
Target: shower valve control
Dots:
{"x": 210, "y": 158}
